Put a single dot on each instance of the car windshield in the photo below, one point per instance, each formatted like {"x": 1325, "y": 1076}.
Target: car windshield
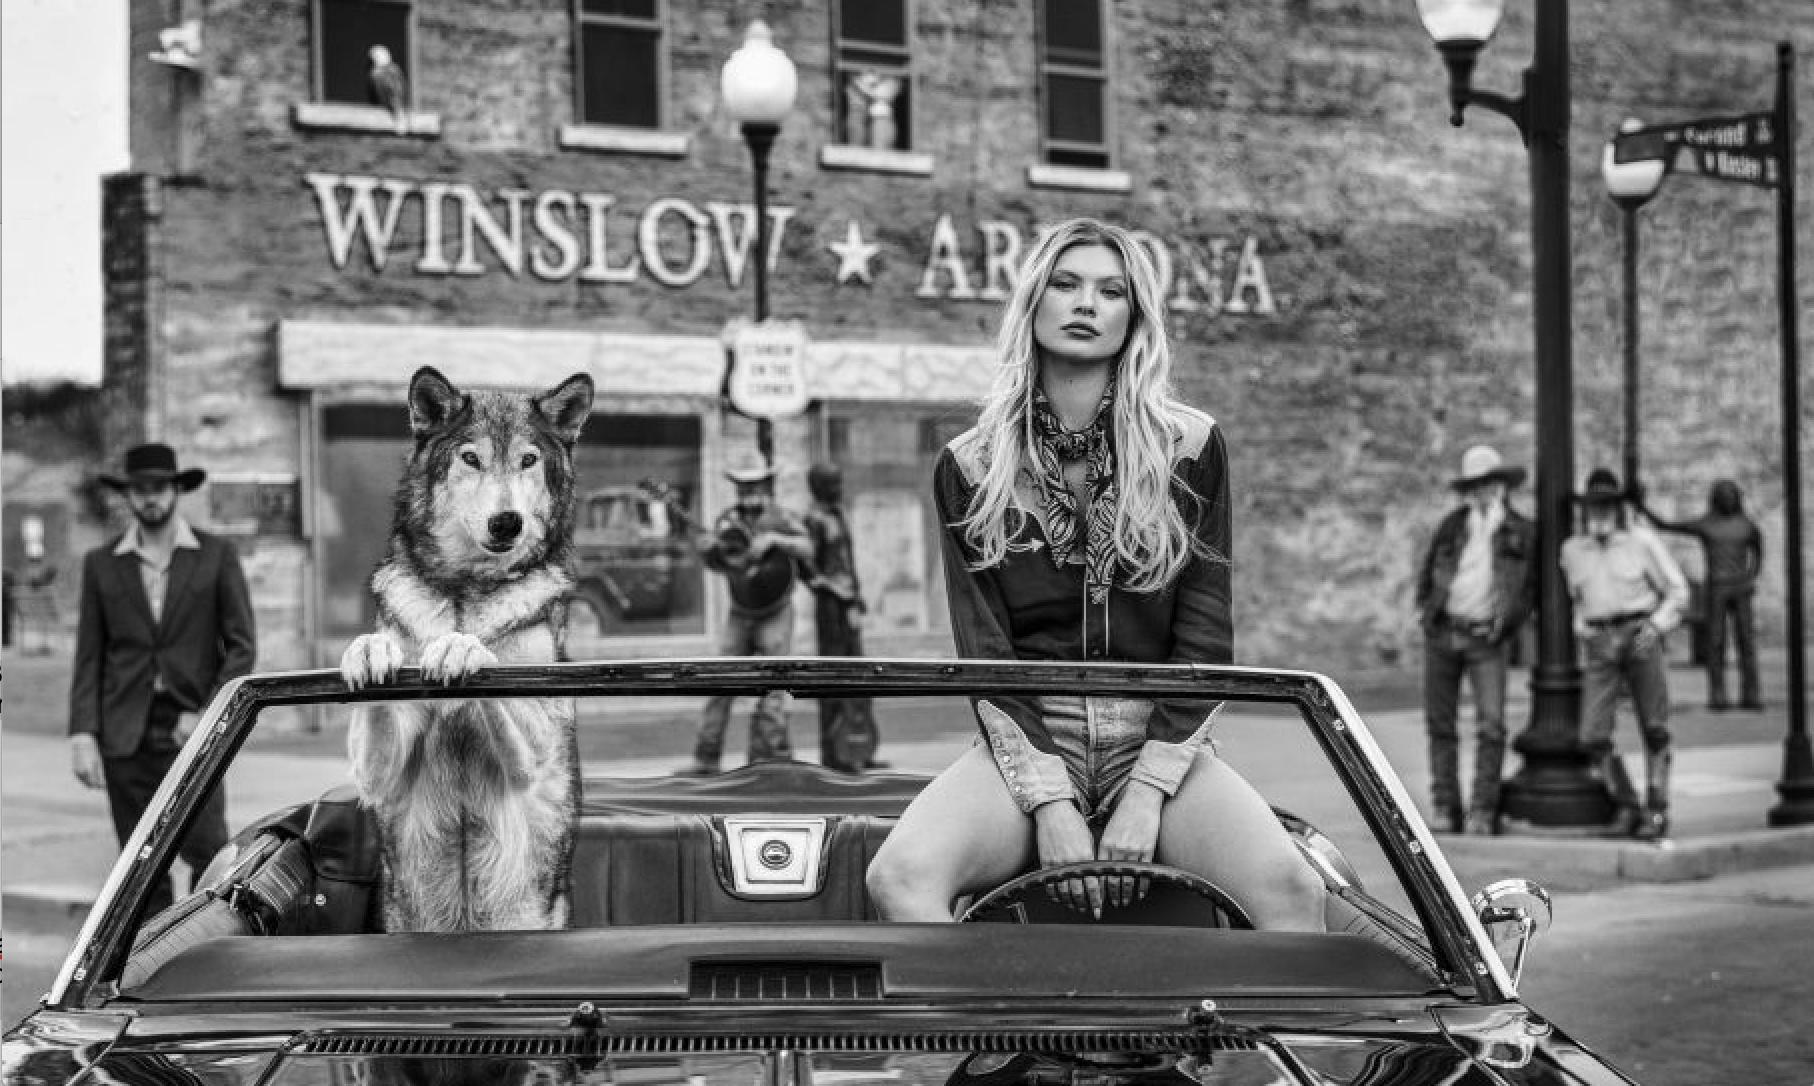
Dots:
{"x": 753, "y": 880}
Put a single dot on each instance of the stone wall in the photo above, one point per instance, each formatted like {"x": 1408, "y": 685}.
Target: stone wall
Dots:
{"x": 1395, "y": 247}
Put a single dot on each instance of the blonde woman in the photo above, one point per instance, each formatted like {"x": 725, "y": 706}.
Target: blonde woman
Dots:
{"x": 1087, "y": 518}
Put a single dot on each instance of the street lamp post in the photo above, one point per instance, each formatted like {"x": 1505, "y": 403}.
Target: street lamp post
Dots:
{"x": 758, "y": 84}
{"x": 1631, "y": 185}
{"x": 1554, "y": 787}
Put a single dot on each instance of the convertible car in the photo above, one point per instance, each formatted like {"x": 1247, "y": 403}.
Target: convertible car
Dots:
{"x": 722, "y": 934}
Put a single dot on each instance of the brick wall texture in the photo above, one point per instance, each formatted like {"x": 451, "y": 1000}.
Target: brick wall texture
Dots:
{"x": 1396, "y": 247}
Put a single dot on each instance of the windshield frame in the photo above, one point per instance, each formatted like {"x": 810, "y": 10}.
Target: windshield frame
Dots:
{"x": 1457, "y": 937}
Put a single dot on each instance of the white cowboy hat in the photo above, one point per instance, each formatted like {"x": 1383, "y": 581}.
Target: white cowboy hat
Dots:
{"x": 748, "y": 466}
{"x": 1481, "y": 464}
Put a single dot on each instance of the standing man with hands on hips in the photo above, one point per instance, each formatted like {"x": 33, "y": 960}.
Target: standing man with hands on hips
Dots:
{"x": 1628, "y": 593}
{"x": 166, "y": 620}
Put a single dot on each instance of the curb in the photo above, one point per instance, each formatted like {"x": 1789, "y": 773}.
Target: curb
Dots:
{"x": 1569, "y": 862}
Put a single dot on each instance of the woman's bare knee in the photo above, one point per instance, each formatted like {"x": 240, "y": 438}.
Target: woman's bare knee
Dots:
{"x": 904, "y": 886}
{"x": 1289, "y": 896}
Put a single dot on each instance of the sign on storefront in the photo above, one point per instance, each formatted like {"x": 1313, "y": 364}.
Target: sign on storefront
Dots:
{"x": 768, "y": 368}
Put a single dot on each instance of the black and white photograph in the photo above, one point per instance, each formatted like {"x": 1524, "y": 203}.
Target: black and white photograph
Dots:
{"x": 905, "y": 542}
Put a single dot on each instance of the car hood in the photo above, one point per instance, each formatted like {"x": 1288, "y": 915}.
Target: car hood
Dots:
{"x": 1396, "y": 1044}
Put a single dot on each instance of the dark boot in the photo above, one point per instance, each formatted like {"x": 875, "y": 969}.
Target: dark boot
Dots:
{"x": 1619, "y": 786}
{"x": 1483, "y": 808}
{"x": 1445, "y": 784}
{"x": 1654, "y": 823}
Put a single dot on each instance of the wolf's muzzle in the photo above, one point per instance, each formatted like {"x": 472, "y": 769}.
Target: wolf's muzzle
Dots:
{"x": 504, "y": 527}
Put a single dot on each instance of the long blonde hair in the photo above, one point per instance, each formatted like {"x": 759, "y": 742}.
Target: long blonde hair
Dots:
{"x": 1152, "y": 541}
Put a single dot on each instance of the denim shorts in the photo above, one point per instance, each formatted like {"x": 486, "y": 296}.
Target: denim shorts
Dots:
{"x": 1101, "y": 743}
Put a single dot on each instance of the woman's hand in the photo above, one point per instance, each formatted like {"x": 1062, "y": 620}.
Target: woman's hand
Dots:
{"x": 1064, "y": 838}
{"x": 1132, "y": 832}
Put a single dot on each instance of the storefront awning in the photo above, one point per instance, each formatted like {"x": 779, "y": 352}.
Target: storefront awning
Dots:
{"x": 335, "y": 355}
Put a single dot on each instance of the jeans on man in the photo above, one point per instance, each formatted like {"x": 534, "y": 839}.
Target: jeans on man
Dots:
{"x": 1614, "y": 656}
{"x": 1731, "y": 603}
{"x": 1454, "y": 650}
{"x": 769, "y": 634}
{"x": 132, "y": 781}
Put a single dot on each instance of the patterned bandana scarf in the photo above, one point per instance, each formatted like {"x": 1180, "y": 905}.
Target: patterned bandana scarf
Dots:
{"x": 1054, "y": 446}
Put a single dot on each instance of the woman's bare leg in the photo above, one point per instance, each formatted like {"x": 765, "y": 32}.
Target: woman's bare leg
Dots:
{"x": 1219, "y": 827}
{"x": 962, "y": 834}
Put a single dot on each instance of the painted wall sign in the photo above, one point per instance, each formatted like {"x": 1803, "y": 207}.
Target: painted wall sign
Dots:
{"x": 559, "y": 236}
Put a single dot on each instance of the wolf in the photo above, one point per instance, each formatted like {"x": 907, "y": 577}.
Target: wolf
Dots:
{"x": 475, "y": 802}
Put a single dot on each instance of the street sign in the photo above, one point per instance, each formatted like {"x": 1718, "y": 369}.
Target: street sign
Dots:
{"x": 768, "y": 368}
{"x": 1750, "y": 167}
{"x": 1738, "y": 148}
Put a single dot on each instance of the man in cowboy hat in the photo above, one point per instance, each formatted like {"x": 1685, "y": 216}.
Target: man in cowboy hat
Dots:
{"x": 755, "y": 545}
{"x": 165, "y": 620}
{"x": 1474, "y": 591}
{"x": 1627, "y": 593}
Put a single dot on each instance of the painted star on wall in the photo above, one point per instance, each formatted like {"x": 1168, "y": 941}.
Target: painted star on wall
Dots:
{"x": 854, "y": 255}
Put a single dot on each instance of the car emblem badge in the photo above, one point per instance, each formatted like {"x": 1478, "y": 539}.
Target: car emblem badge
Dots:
{"x": 775, "y": 855}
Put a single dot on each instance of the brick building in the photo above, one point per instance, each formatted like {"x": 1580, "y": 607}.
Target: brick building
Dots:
{"x": 1348, "y": 278}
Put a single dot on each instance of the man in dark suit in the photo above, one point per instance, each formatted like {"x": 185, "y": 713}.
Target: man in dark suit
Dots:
{"x": 165, "y": 620}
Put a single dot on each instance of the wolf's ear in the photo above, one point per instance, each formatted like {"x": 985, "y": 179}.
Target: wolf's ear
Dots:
{"x": 433, "y": 401}
{"x": 566, "y": 406}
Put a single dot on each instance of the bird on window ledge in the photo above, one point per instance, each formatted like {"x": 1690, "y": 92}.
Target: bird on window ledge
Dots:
{"x": 389, "y": 87}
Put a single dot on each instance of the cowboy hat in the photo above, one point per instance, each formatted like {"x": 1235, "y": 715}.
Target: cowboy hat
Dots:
{"x": 749, "y": 466}
{"x": 154, "y": 463}
{"x": 1602, "y": 489}
{"x": 1481, "y": 464}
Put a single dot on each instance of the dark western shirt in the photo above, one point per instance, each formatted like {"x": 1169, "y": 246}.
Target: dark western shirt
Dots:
{"x": 1027, "y": 608}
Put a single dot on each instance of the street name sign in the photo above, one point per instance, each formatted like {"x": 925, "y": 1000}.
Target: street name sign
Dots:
{"x": 1739, "y": 148}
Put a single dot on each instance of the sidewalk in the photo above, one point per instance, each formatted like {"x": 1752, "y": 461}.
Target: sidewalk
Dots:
{"x": 59, "y": 844}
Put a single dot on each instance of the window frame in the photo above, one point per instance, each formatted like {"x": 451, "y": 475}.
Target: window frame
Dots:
{"x": 663, "y": 66}
{"x": 318, "y": 55}
{"x": 907, "y": 70}
{"x": 1105, "y": 73}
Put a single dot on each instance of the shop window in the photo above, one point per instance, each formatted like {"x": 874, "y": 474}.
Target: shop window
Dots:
{"x": 345, "y": 32}
{"x": 1074, "y": 83}
{"x": 873, "y": 79}
{"x": 637, "y": 572}
{"x": 886, "y": 453}
{"x": 621, "y": 58}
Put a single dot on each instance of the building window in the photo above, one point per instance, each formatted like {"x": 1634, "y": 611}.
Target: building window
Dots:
{"x": 345, "y": 32}
{"x": 873, "y": 82}
{"x": 620, "y": 62}
{"x": 1074, "y": 83}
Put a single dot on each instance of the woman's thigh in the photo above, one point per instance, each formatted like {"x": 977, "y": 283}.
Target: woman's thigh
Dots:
{"x": 963, "y": 833}
{"x": 1220, "y": 827}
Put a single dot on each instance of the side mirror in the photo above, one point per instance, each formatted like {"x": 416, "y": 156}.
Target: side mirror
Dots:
{"x": 1514, "y": 912}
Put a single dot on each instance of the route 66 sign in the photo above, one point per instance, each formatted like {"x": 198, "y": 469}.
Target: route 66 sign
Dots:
{"x": 768, "y": 368}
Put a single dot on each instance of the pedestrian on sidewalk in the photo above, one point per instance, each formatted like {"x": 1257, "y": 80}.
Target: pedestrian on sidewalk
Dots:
{"x": 165, "y": 620}
{"x": 756, "y": 545}
{"x": 1733, "y": 549}
{"x": 1087, "y": 517}
{"x": 1474, "y": 591}
{"x": 1628, "y": 593}
{"x": 847, "y": 726}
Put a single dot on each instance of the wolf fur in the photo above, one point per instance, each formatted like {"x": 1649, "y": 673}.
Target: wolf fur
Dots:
{"x": 475, "y": 801}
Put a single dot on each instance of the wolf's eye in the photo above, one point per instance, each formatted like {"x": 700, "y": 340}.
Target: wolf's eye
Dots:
{"x": 529, "y": 460}
{"x": 470, "y": 459}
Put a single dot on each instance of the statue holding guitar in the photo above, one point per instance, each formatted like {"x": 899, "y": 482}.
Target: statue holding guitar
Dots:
{"x": 758, "y": 547}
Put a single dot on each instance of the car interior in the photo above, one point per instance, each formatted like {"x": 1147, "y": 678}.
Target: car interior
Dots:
{"x": 770, "y": 844}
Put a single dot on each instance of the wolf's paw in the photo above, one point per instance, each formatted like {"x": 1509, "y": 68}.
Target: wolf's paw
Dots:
{"x": 371, "y": 658}
{"x": 455, "y": 656}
